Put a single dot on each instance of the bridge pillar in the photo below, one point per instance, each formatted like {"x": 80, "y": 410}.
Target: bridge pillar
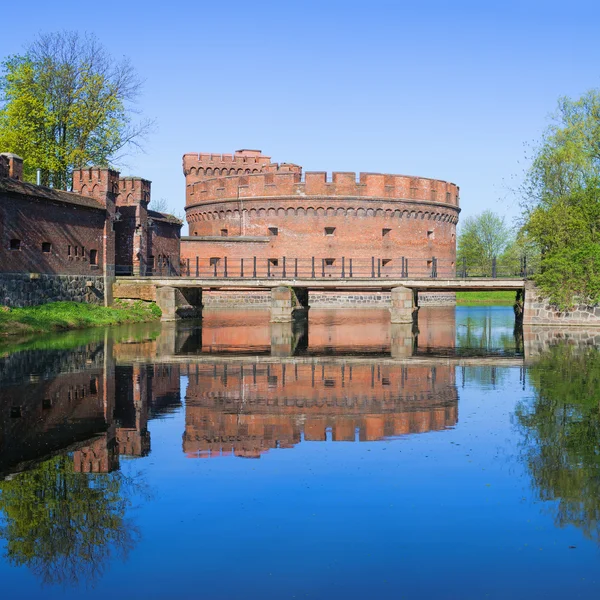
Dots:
{"x": 179, "y": 303}
{"x": 404, "y": 305}
{"x": 287, "y": 303}
{"x": 288, "y": 338}
{"x": 403, "y": 339}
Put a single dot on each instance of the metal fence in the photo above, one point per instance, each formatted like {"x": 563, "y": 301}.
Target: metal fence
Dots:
{"x": 344, "y": 267}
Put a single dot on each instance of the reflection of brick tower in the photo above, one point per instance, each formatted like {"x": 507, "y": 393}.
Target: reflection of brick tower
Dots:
{"x": 100, "y": 456}
{"x": 246, "y": 410}
{"x": 131, "y": 411}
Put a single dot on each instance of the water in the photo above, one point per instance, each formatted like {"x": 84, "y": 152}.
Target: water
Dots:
{"x": 235, "y": 460}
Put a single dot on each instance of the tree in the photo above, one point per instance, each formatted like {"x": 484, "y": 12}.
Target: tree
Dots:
{"x": 482, "y": 238}
{"x": 562, "y": 203}
{"x": 561, "y": 427}
{"x": 65, "y": 525}
{"x": 65, "y": 104}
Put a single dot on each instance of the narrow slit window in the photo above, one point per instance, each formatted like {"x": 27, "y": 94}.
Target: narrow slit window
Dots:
{"x": 15, "y": 244}
{"x": 433, "y": 195}
{"x": 430, "y": 235}
{"x": 273, "y": 231}
{"x": 93, "y": 386}
{"x": 448, "y": 196}
{"x": 94, "y": 257}
{"x": 69, "y": 250}
{"x": 83, "y": 251}
{"x": 329, "y": 230}
{"x": 46, "y": 247}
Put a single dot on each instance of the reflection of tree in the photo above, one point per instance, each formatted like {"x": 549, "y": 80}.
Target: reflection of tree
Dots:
{"x": 63, "y": 525}
{"x": 562, "y": 435}
{"x": 486, "y": 334}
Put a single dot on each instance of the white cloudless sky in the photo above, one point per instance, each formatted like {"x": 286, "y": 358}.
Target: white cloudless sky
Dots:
{"x": 450, "y": 90}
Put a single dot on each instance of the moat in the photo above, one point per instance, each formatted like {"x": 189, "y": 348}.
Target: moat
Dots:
{"x": 335, "y": 458}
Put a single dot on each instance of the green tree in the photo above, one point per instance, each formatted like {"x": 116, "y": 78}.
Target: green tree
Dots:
{"x": 561, "y": 427}
{"x": 481, "y": 239}
{"x": 65, "y": 525}
{"x": 65, "y": 104}
{"x": 561, "y": 201}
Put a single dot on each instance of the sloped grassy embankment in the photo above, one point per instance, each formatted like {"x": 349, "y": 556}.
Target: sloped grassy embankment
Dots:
{"x": 59, "y": 316}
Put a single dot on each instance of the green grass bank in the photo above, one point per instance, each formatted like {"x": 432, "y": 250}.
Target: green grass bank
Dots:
{"x": 485, "y": 298}
{"x": 60, "y": 316}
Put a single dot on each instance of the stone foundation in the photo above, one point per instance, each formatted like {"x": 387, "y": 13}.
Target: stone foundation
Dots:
{"x": 538, "y": 311}
{"x": 29, "y": 289}
{"x": 253, "y": 299}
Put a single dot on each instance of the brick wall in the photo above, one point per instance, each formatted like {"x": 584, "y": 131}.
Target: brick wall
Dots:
{"x": 51, "y": 237}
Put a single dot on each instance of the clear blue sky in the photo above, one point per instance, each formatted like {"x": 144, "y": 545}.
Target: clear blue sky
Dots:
{"x": 450, "y": 90}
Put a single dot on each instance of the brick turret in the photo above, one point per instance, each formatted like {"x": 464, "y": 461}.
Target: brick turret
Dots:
{"x": 102, "y": 184}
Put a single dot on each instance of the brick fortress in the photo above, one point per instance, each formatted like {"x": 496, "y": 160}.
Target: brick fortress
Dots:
{"x": 242, "y": 205}
{"x": 58, "y": 245}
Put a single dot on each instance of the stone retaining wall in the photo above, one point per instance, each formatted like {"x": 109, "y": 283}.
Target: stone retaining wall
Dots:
{"x": 538, "y": 311}
{"x": 251, "y": 299}
{"x": 29, "y": 289}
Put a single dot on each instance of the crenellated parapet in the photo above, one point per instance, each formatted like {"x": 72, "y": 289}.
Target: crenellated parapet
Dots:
{"x": 287, "y": 183}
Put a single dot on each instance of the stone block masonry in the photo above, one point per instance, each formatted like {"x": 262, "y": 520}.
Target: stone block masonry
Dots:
{"x": 537, "y": 310}
{"x": 18, "y": 290}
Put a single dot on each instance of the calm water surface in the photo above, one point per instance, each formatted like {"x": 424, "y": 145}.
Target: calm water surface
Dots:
{"x": 339, "y": 458}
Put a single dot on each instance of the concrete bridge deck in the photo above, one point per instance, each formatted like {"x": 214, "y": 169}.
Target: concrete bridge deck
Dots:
{"x": 350, "y": 284}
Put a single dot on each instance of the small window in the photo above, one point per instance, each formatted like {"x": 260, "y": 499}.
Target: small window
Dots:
{"x": 430, "y": 235}
{"x": 223, "y": 232}
{"x": 413, "y": 192}
{"x": 452, "y": 237}
{"x": 15, "y": 244}
{"x": 274, "y": 262}
{"x": 214, "y": 261}
{"x": 273, "y": 231}
{"x": 385, "y": 232}
{"x": 94, "y": 257}
{"x": 69, "y": 250}
{"x": 448, "y": 197}
{"x": 433, "y": 195}
{"x": 429, "y": 264}
{"x": 329, "y": 230}
{"x": 93, "y": 386}
{"x": 46, "y": 403}
{"x": 385, "y": 261}
{"x": 329, "y": 262}
{"x": 76, "y": 250}
{"x": 46, "y": 247}
{"x": 83, "y": 251}
{"x": 15, "y": 412}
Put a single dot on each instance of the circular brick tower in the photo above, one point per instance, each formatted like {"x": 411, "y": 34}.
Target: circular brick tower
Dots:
{"x": 243, "y": 206}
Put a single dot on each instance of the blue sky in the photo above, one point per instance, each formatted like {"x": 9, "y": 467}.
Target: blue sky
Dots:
{"x": 451, "y": 90}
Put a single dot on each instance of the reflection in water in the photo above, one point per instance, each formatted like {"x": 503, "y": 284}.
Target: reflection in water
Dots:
{"x": 561, "y": 426}
{"x": 65, "y": 526}
{"x": 73, "y": 422}
{"x": 247, "y": 409}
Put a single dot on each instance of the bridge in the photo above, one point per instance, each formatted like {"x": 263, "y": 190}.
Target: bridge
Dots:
{"x": 181, "y": 296}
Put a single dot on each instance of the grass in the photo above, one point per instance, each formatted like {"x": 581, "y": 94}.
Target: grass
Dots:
{"x": 60, "y": 316}
{"x": 485, "y": 298}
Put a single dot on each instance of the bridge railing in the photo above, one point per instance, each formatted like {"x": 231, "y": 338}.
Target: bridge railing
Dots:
{"x": 340, "y": 267}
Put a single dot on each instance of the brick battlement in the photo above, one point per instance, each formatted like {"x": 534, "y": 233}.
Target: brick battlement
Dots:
{"x": 282, "y": 181}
